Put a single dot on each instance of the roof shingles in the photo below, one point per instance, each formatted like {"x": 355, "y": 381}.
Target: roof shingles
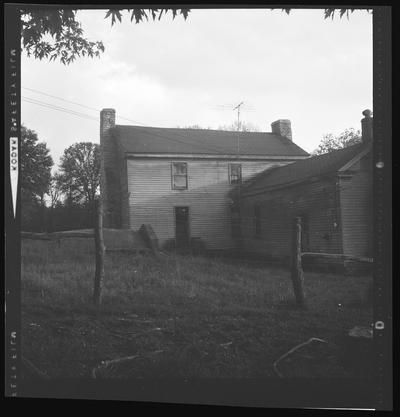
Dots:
{"x": 301, "y": 170}
{"x": 137, "y": 139}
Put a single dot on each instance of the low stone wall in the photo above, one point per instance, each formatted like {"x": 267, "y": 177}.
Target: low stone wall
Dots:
{"x": 148, "y": 236}
{"x": 123, "y": 239}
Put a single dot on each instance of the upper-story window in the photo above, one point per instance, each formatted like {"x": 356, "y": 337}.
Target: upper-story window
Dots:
{"x": 235, "y": 173}
{"x": 179, "y": 176}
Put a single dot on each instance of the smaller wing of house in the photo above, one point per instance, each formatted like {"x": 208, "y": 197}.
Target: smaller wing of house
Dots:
{"x": 332, "y": 193}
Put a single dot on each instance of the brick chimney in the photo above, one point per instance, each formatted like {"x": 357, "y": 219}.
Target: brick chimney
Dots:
{"x": 107, "y": 120}
{"x": 108, "y": 166}
{"x": 282, "y": 127}
{"x": 367, "y": 126}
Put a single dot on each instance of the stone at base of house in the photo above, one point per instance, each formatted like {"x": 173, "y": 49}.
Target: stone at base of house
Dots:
{"x": 149, "y": 236}
{"x": 123, "y": 240}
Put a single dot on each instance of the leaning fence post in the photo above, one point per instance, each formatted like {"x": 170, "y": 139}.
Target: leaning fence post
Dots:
{"x": 100, "y": 249}
{"x": 297, "y": 269}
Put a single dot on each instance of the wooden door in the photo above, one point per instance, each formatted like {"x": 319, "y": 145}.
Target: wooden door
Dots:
{"x": 182, "y": 231}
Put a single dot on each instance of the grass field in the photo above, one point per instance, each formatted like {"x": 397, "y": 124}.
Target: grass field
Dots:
{"x": 180, "y": 316}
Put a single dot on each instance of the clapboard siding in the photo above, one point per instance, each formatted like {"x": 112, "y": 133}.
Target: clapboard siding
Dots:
{"x": 152, "y": 199}
{"x": 317, "y": 200}
{"x": 123, "y": 187}
{"x": 356, "y": 210}
{"x": 338, "y": 208}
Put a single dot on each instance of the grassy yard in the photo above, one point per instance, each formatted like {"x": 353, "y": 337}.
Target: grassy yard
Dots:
{"x": 180, "y": 316}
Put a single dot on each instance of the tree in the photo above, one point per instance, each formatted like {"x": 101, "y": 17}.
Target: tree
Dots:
{"x": 80, "y": 172}
{"x": 36, "y": 164}
{"x": 195, "y": 126}
{"x": 330, "y": 142}
{"x": 53, "y": 33}
{"x": 55, "y": 190}
{"x": 243, "y": 127}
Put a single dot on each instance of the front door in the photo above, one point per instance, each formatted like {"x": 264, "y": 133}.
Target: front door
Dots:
{"x": 182, "y": 227}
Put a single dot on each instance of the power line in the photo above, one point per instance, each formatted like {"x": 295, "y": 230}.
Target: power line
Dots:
{"x": 61, "y": 109}
{"x": 75, "y": 113}
{"x": 60, "y": 98}
{"x": 78, "y": 104}
{"x": 218, "y": 150}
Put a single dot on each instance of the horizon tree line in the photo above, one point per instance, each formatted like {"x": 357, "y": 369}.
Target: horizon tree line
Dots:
{"x": 65, "y": 198}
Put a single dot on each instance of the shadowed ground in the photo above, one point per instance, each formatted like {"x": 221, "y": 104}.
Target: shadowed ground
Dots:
{"x": 180, "y": 316}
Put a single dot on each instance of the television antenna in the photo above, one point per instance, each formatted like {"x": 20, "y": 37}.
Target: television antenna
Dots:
{"x": 238, "y": 124}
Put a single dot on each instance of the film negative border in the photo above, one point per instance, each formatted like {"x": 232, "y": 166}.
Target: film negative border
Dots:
{"x": 382, "y": 226}
{"x": 12, "y": 125}
{"x": 382, "y": 206}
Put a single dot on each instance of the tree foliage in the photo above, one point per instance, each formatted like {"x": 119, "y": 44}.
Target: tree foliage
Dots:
{"x": 80, "y": 172}
{"x": 330, "y": 12}
{"x": 55, "y": 190}
{"x": 54, "y": 33}
{"x": 243, "y": 127}
{"x": 36, "y": 164}
{"x": 140, "y": 14}
{"x": 330, "y": 142}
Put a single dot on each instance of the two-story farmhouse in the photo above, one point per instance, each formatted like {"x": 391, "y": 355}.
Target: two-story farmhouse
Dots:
{"x": 178, "y": 180}
{"x": 332, "y": 193}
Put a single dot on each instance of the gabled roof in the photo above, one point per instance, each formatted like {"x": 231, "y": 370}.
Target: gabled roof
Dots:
{"x": 137, "y": 139}
{"x": 304, "y": 169}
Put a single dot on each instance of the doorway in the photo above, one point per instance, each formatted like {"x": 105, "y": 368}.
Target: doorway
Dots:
{"x": 182, "y": 231}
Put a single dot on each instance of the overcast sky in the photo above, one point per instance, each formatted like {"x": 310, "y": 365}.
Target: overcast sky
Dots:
{"x": 168, "y": 73}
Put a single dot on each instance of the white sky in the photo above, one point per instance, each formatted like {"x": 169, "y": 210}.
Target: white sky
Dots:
{"x": 168, "y": 73}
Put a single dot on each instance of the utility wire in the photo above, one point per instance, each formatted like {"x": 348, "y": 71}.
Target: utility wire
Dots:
{"x": 85, "y": 116}
{"x": 61, "y": 109}
{"x": 79, "y": 104}
{"x": 60, "y": 98}
{"x": 216, "y": 149}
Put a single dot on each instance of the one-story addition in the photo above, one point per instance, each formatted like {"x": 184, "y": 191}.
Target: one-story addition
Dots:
{"x": 331, "y": 193}
{"x": 178, "y": 180}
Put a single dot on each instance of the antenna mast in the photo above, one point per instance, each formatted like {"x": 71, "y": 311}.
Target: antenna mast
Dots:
{"x": 238, "y": 124}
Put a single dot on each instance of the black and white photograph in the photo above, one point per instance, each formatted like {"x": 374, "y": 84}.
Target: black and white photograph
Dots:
{"x": 198, "y": 204}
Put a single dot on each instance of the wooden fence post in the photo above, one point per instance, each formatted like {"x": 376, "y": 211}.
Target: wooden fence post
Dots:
{"x": 100, "y": 249}
{"x": 297, "y": 269}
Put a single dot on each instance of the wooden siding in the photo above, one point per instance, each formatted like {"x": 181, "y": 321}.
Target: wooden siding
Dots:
{"x": 317, "y": 200}
{"x": 356, "y": 209}
{"x": 151, "y": 199}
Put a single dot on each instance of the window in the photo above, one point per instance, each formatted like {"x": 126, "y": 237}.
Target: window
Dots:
{"x": 179, "y": 176}
{"x": 235, "y": 173}
{"x": 257, "y": 221}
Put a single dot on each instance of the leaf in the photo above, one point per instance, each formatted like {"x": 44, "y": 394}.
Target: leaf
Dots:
{"x": 185, "y": 13}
